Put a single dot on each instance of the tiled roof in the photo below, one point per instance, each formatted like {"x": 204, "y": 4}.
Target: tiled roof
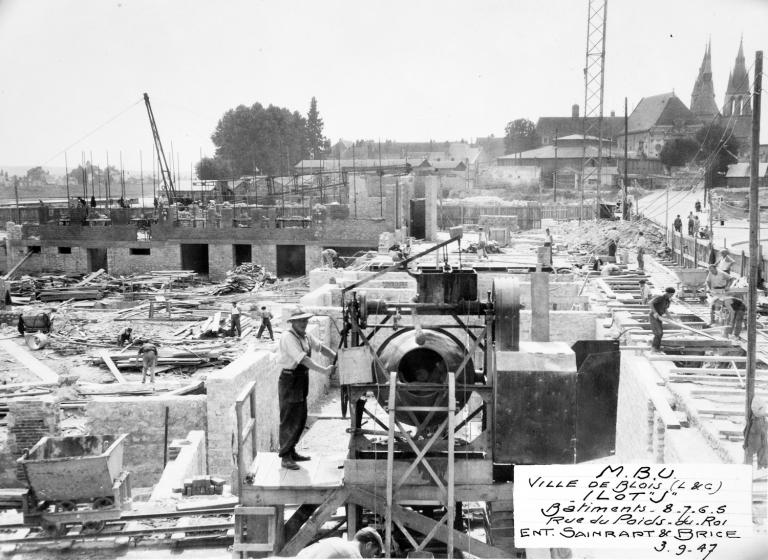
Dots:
{"x": 659, "y": 110}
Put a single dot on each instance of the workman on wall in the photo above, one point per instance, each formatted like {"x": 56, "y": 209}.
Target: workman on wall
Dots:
{"x": 659, "y": 306}
{"x": 294, "y": 361}
{"x": 329, "y": 258}
{"x": 148, "y": 353}
{"x": 366, "y": 544}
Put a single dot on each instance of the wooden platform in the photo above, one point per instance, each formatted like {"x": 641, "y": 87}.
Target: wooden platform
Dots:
{"x": 274, "y": 485}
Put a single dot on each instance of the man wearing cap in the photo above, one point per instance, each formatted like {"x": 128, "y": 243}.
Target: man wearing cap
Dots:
{"x": 366, "y": 544}
{"x": 295, "y": 360}
{"x": 659, "y": 306}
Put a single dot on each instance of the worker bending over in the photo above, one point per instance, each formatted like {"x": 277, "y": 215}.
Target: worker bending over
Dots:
{"x": 366, "y": 544}
{"x": 148, "y": 353}
{"x": 125, "y": 336}
{"x": 659, "y": 306}
{"x": 294, "y": 361}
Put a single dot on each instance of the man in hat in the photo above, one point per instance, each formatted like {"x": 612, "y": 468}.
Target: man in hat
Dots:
{"x": 294, "y": 359}
{"x": 366, "y": 544}
{"x": 659, "y": 306}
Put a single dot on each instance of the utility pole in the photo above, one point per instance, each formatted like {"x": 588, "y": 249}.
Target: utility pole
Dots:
{"x": 625, "y": 206}
{"x": 754, "y": 253}
{"x": 554, "y": 175}
{"x": 16, "y": 192}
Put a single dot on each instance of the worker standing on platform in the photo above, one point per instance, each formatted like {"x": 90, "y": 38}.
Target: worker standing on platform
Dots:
{"x": 294, "y": 361}
{"x": 736, "y": 310}
{"x": 148, "y": 353}
{"x": 329, "y": 257}
{"x": 659, "y": 306}
{"x": 366, "y": 544}
{"x": 645, "y": 291}
{"x": 482, "y": 242}
{"x": 641, "y": 247}
{"x": 690, "y": 224}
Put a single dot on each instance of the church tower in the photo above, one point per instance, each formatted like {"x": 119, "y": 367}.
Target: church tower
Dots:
{"x": 737, "y": 95}
{"x": 703, "y": 103}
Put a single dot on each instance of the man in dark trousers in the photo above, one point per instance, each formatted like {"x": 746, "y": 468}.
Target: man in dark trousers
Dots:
{"x": 294, "y": 360}
{"x": 736, "y": 310}
{"x": 266, "y": 323}
{"x": 148, "y": 354}
{"x": 678, "y": 223}
{"x": 659, "y": 306}
{"x": 235, "y": 328}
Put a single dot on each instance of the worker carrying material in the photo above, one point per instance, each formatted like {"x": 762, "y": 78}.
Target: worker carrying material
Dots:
{"x": 148, "y": 353}
{"x": 659, "y": 306}
{"x": 366, "y": 544}
{"x": 294, "y": 361}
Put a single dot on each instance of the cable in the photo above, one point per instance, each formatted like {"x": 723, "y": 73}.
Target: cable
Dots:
{"x": 95, "y": 130}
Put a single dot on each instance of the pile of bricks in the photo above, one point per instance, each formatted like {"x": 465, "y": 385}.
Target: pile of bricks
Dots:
{"x": 202, "y": 486}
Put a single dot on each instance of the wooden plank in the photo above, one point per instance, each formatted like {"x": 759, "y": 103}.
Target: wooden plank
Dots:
{"x": 92, "y": 276}
{"x": 715, "y": 371}
{"x": 104, "y": 354}
{"x": 188, "y": 388}
{"x": 22, "y": 355}
{"x": 369, "y": 471}
{"x": 695, "y": 358}
{"x": 424, "y": 525}
{"x": 209, "y": 504}
{"x": 16, "y": 267}
{"x": 315, "y": 522}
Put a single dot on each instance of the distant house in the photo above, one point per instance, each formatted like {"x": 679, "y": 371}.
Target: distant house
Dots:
{"x": 547, "y": 128}
{"x": 739, "y": 175}
{"x": 568, "y": 153}
{"x": 656, "y": 120}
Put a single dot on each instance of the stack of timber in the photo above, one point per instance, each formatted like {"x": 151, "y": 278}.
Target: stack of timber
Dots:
{"x": 166, "y": 357}
{"x": 244, "y": 278}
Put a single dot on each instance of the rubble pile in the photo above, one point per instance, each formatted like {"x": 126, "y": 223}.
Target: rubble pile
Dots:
{"x": 244, "y": 278}
{"x": 592, "y": 237}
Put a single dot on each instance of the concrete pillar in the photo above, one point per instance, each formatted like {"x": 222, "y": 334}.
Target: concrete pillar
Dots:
{"x": 540, "y": 306}
{"x": 430, "y": 211}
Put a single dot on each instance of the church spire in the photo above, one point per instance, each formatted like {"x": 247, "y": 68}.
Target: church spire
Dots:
{"x": 703, "y": 103}
{"x": 738, "y": 92}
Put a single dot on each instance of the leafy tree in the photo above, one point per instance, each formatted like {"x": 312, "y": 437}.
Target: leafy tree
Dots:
{"x": 520, "y": 136}
{"x": 272, "y": 139}
{"x": 679, "y": 152}
{"x": 37, "y": 174}
{"x": 718, "y": 149}
{"x": 317, "y": 144}
{"x": 213, "y": 168}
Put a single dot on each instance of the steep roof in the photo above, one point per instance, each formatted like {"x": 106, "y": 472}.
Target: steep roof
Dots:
{"x": 703, "y": 102}
{"x": 548, "y": 152}
{"x": 738, "y": 83}
{"x": 664, "y": 109}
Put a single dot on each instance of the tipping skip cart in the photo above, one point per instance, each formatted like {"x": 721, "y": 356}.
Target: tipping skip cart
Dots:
{"x": 691, "y": 283}
{"x": 75, "y": 480}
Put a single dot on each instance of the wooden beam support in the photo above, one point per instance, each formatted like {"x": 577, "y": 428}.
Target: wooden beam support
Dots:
{"x": 315, "y": 522}
{"x": 424, "y": 525}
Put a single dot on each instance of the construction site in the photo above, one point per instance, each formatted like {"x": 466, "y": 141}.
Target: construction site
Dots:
{"x": 273, "y": 364}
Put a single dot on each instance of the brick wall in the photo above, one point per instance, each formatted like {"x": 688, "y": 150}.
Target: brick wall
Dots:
{"x": 143, "y": 418}
{"x": 224, "y": 386}
{"x": 28, "y": 421}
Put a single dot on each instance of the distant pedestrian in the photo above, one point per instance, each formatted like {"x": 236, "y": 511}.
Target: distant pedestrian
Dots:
{"x": 235, "y": 323}
{"x": 659, "y": 306}
{"x": 641, "y": 247}
{"x": 482, "y": 242}
{"x": 613, "y": 237}
{"x": 148, "y": 353}
{"x": 93, "y": 201}
{"x": 696, "y": 225}
{"x": 266, "y": 323}
{"x": 678, "y": 223}
{"x": 690, "y": 224}
{"x": 697, "y": 206}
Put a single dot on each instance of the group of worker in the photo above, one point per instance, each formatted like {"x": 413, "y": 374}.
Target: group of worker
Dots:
{"x": 717, "y": 282}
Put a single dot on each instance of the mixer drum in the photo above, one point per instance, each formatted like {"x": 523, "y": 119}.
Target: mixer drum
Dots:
{"x": 416, "y": 363}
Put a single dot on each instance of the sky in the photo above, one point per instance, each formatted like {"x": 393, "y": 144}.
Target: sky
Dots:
{"x": 72, "y": 72}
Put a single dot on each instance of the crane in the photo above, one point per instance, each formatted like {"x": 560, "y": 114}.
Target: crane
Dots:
{"x": 592, "y": 122}
{"x": 165, "y": 171}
